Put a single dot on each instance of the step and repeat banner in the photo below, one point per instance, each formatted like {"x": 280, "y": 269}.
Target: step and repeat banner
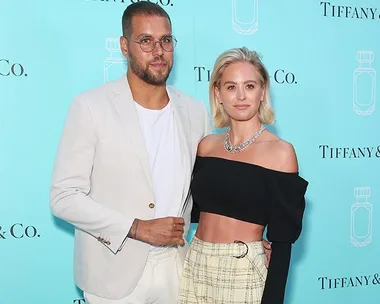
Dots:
{"x": 323, "y": 58}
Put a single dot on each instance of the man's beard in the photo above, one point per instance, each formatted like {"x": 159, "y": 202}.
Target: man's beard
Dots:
{"x": 146, "y": 75}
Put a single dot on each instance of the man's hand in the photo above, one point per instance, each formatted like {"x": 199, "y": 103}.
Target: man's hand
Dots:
{"x": 267, "y": 248}
{"x": 161, "y": 231}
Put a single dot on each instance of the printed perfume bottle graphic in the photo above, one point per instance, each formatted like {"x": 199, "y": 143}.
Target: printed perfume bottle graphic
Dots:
{"x": 114, "y": 66}
{"x": 364, "y": 84}
{"x": 361, "y": 218}
{"x": 245, "y": 16}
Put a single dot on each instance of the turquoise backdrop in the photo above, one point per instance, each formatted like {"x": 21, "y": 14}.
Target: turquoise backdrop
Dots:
{"x": 322, "y": 57}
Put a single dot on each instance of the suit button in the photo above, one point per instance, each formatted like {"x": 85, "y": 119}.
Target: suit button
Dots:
{"x": 151, "y": 205}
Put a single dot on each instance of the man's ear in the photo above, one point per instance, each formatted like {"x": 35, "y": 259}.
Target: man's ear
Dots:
{"x": 124, "y": 46}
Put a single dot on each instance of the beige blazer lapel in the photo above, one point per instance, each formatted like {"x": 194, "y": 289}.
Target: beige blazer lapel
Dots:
{"x": 122, "y": 100}
{"x": 182, "y": 120}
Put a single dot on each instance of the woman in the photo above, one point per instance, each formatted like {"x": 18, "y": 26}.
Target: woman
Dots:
{"x": 244, "y": 180}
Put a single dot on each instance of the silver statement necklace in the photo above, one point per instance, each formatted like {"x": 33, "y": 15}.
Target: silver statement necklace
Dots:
{"x": 240, "y": 147}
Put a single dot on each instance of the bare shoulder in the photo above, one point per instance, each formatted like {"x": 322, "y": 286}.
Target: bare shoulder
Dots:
{"x": 208, "y": 143}
{"x": 286, "y": 156}
{"x": 280, "y": 155}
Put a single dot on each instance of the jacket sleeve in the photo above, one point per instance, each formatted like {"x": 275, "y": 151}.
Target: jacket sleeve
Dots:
{"x": 71, "y": 182}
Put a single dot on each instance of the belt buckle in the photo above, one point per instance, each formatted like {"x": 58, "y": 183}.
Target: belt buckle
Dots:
{"x": 245, "y": 253}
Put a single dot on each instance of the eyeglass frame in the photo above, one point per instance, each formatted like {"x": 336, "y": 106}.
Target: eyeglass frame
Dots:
{"x": 174, "y": 42}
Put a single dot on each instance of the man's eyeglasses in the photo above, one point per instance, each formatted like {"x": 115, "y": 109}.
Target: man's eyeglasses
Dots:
{"x": 148, "y": 44}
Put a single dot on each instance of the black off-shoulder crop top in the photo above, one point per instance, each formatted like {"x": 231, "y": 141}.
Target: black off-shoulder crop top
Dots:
{"x": 257, "y": 195}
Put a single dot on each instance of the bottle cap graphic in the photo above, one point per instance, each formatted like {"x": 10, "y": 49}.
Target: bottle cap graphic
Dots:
{"x": 113, "y": 46}
{"x": 365, "y": 56}
{"x": 362, "y": 192}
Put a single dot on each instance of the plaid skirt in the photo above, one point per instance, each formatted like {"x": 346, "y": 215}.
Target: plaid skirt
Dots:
{"x": 232, "y": 273}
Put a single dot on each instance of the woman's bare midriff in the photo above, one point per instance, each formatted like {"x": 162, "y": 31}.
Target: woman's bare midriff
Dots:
{"x": 215, "y": 228}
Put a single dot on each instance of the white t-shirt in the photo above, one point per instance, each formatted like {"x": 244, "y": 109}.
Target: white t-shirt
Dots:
{"x": 161, "y": 137}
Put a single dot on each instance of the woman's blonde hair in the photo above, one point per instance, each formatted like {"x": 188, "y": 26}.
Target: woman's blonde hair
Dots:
{"x": 220, "y": 117}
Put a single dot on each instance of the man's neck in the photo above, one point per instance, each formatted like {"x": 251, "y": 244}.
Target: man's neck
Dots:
{"x": 147, "y": 95}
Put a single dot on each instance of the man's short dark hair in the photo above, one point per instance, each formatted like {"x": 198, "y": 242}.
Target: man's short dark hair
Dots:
{"x": 142, "y": 8}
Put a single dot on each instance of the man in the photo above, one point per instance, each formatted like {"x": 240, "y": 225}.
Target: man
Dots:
{"x": 123, "y": 170}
